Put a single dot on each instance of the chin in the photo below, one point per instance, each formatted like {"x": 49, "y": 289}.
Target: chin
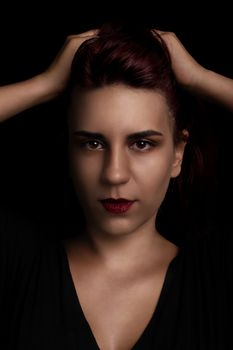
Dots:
{"x": 120, "y": 228}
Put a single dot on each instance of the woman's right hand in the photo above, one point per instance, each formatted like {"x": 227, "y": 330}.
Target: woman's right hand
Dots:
{"x": 57, "y": 74}
{"x": 17, "y": 97}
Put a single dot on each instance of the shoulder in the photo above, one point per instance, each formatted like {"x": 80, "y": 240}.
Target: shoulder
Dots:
{"x": 211, "y": 245}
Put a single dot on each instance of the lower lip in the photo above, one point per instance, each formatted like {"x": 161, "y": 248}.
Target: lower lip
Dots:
{"x": 117, "y": 208}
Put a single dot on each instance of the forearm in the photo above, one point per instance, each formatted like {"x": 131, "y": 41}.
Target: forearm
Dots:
{"x": 216, "y": 87}
{"x": 193, "y": 76}
{"x": 17, "y": 97}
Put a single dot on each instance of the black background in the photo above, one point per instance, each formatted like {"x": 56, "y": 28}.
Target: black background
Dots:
{"x": 33, "y": 169}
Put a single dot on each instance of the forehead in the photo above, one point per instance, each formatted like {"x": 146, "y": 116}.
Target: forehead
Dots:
{"x": 118, "y": 106}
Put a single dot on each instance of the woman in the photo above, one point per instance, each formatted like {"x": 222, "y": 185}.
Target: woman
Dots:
{"x": 119, "y": 284}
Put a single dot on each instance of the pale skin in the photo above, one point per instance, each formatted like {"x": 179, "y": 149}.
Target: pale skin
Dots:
{"x": 120, "y": 264}
{"x": 15, "y": 98}
{"x": 195, "y": 77}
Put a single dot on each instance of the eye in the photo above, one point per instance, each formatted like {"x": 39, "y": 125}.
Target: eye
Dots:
{"x": 143, "y": 145}
{"x": 91, "y": 145}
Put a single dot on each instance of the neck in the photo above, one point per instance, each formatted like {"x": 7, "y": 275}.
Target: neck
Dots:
{"x": 121, "y": 251}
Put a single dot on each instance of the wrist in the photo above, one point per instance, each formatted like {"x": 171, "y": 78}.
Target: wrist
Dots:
{"x": 199, "y": 79}
{"x": 48, "y": 86}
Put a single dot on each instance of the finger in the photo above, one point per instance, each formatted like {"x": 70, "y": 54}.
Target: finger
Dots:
{"x": 88, "y": 33}
{"x": 157, "y": 31}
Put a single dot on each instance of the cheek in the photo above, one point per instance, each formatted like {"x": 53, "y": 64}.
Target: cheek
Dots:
{"x": 154, "y": 173}
{"x": 158, "y": 165}
{"x": 84, "y": 171}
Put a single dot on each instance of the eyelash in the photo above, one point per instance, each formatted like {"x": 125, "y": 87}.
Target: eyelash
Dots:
{"x": 151, "y": 144}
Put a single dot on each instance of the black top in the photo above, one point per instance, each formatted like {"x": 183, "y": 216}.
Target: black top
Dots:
{"x": 39, "y": 308}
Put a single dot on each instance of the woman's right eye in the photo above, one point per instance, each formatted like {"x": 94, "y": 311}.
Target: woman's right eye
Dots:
{"x": 91, "y": 145}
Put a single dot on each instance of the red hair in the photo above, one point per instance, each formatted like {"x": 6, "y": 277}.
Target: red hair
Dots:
{"x": 133, "y": 56}
{"x": 139, "y": 58}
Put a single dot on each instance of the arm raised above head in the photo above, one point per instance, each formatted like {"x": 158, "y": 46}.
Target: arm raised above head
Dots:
{"x": 190, "y": 74}
{"x": 17, "y": 97}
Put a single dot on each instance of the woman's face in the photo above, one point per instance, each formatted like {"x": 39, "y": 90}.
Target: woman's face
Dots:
{"x": 116, "y": 161}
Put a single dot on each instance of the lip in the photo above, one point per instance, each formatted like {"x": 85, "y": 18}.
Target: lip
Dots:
{"x": 115, "y": 200}
{"x": 117, "y": 206}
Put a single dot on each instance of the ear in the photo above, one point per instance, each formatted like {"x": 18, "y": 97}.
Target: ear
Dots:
{"x": 179, "y": 153}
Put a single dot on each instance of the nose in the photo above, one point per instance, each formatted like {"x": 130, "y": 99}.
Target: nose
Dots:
{"x": 116, "y": 167}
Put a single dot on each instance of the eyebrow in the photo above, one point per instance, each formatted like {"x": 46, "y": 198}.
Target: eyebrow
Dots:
{"x": 130, "y": 137}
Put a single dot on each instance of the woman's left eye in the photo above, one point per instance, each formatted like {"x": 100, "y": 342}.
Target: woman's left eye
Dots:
{"x": 143, "y": 144}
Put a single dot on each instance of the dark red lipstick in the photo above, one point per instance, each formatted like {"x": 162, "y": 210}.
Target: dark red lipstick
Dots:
{"x": 117, "y": 206}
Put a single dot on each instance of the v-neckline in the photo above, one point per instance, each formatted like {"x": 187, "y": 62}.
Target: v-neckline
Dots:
{"x": 75, "y": 311}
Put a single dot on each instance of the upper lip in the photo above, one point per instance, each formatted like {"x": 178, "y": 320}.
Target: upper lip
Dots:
{"x": 116, "y": 200}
